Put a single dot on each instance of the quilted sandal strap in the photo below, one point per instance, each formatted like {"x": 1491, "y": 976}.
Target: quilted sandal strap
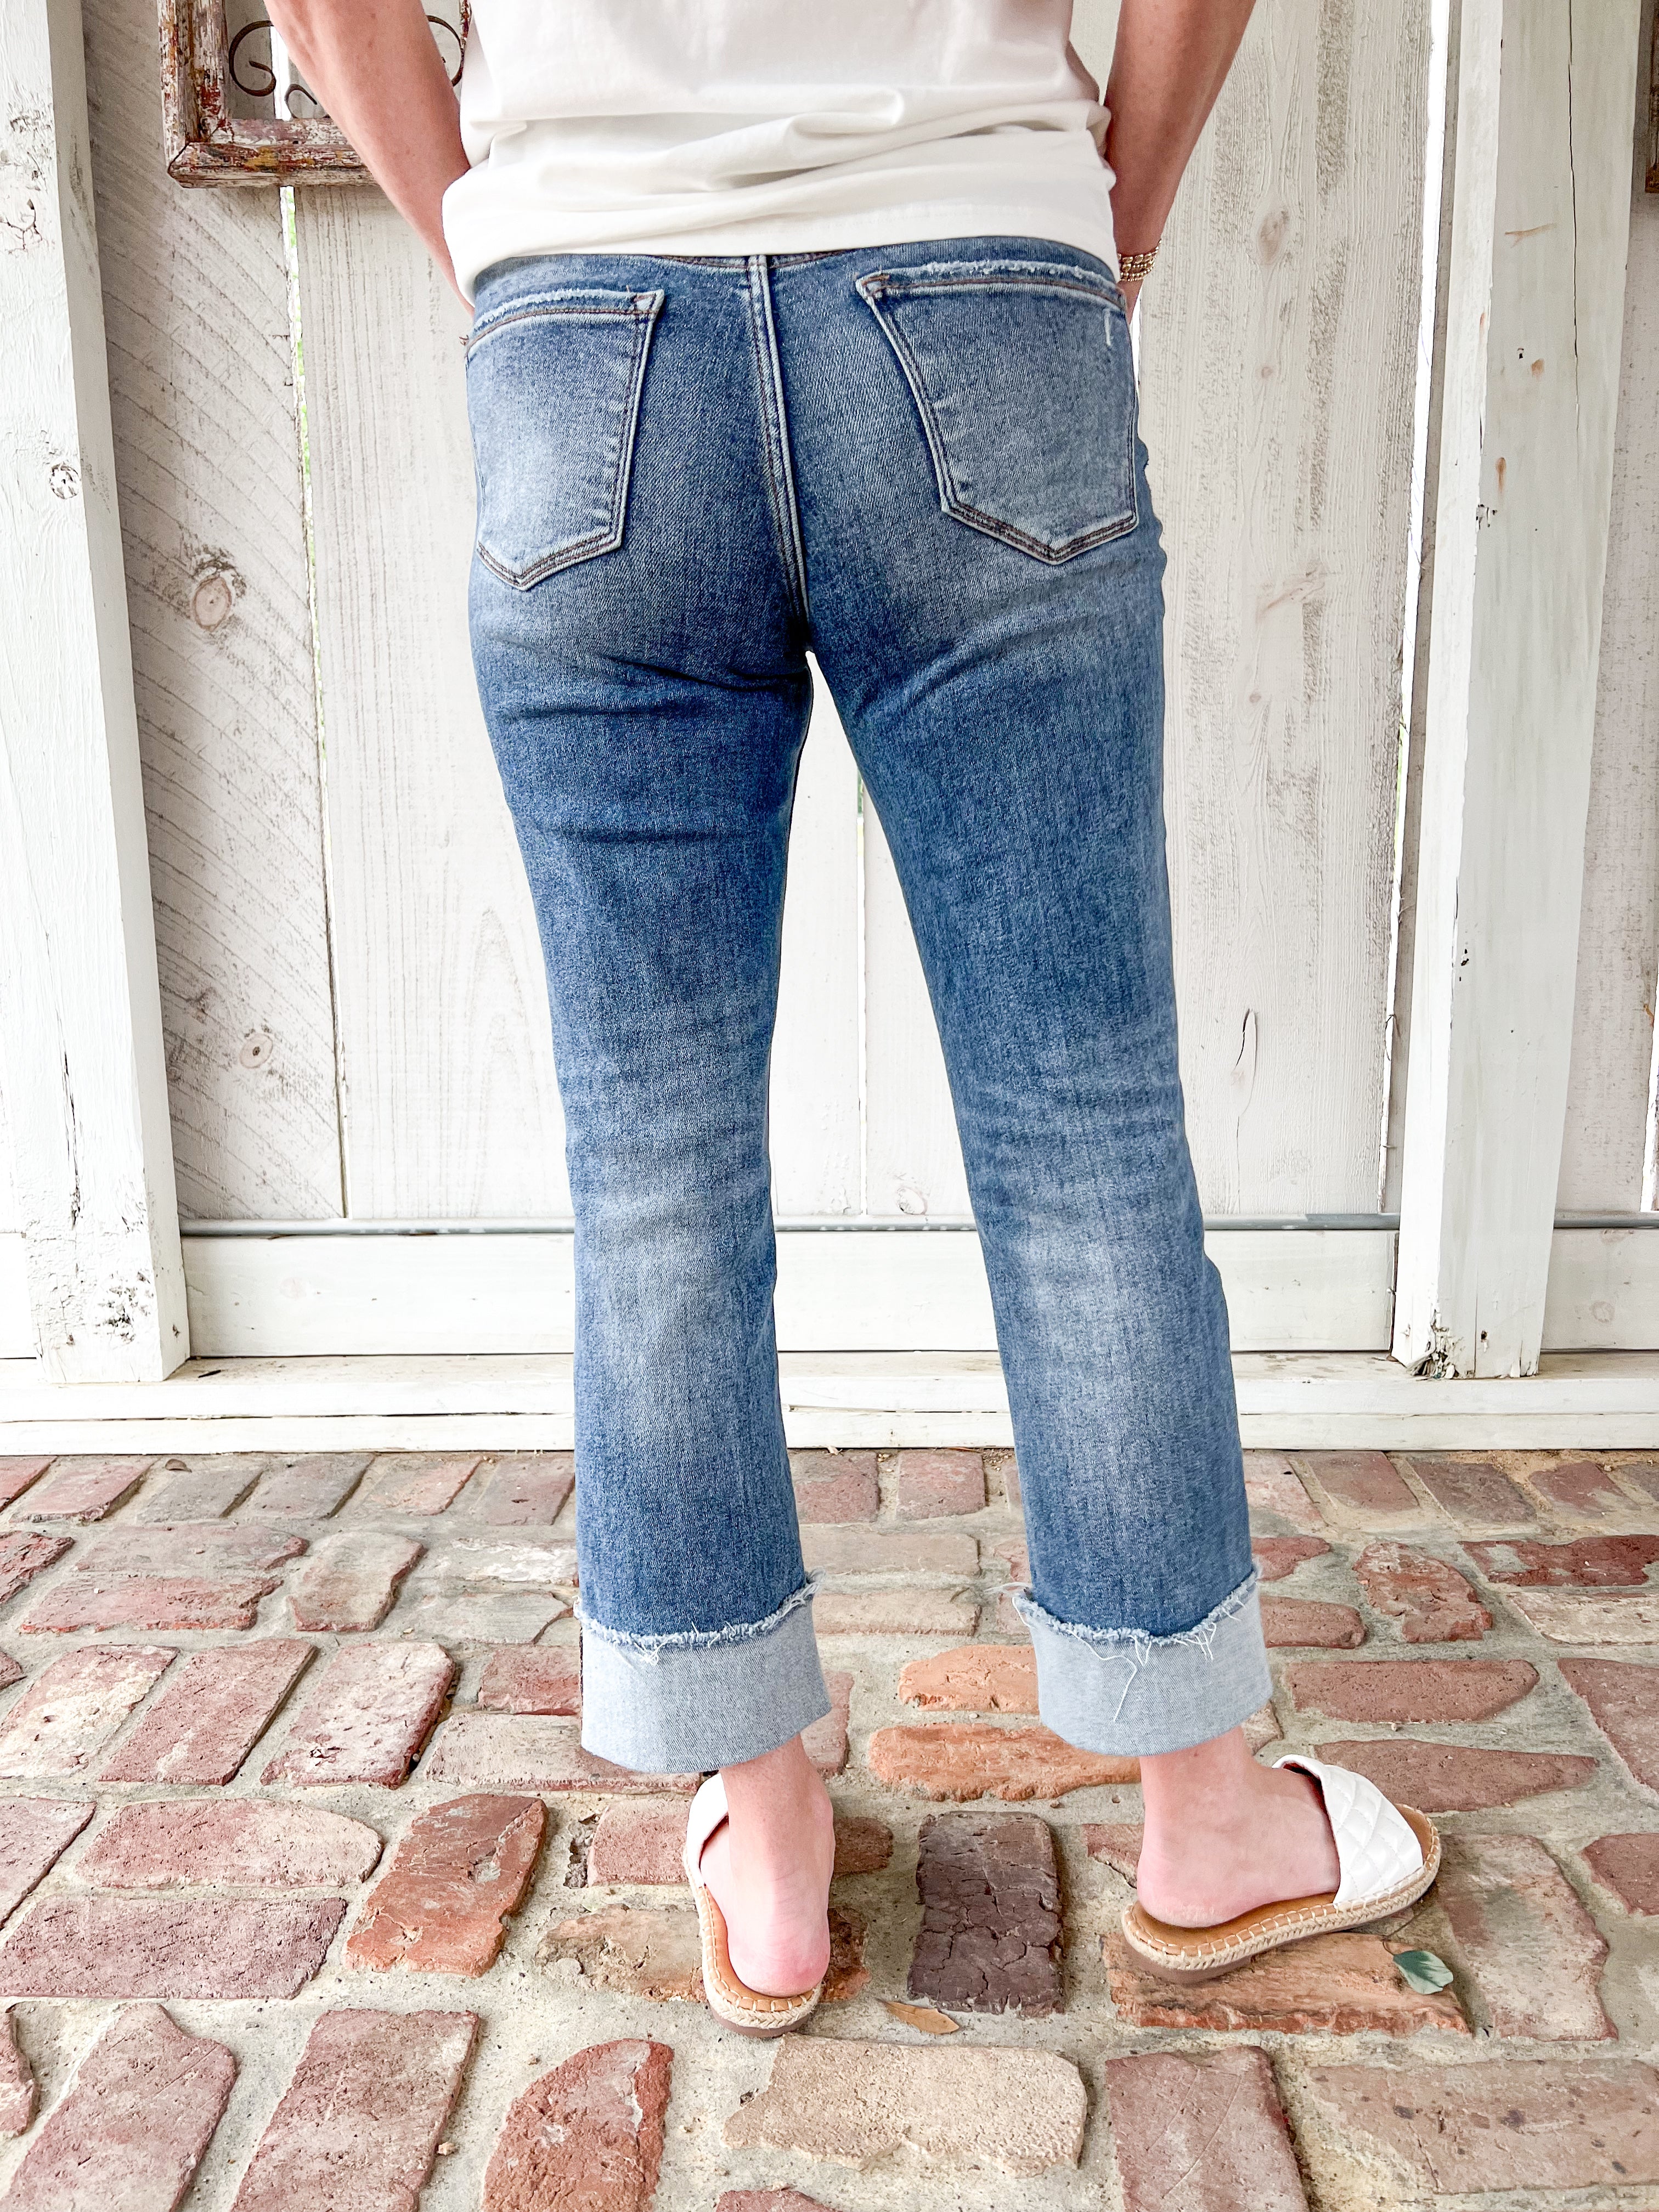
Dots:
{"x": 708, "y": 1810}
{"x": 1376, "y": 1848}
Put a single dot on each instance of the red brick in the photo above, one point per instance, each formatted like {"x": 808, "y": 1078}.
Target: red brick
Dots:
{"x": 1275, "y": 1492}
{"x": 933, "y": 1483}
{"x": 520, "y": 1751}
{"x": 835, "y": 1485}
{"x": 134, "y": 2123}
{"x": 1345, "y": 1985}
{"x": 1534, "y": 1953}
{"x": 1409, "y": 1689}
{"x": 368, "y": 1716}
{"x": 482, "y": 1563}
{"x": 973, "y": 1678}
{"x": 148, "y": 1603}
{"x": 460, "y": 1871}
{"x": 34, "y": 1833}
{"x": 825, "y": 1741}
{"x": 16, "y": 1473}
{"x": 1278, "y": 1556}
{"x": 83, "y": 1489}
{"x": 1019, "y": 2111}
{"x": 211, "y": 1714}
{"x": 639, "y": 1841}
{"x": 1432, "y": 1601}
{"x": 199, "y": 1489}
{"x": 545, "y": 1679}
{"x": 167, "y": 1947}
{"x": 1590, "y": 2124}
{"x": 634, "y": 1951}
{"x": 589, "y": 2134}
{"x": 1624, "y": 1703}
{"x": 469, "y": 1618}
{"x": 1009, "y": 1469}
{"x": 1580, "y": 1489}
{"x": 24, "y": 1553}
{"x": 1116, "y": 1842}
{"x": 10, "y": 1672}
{"x": 17, "y": 2097}
{"x": 359, "y": 2126}
{"x": 1591, "y": 1616}
{"x": 647, "y": 1951}
{"x": 991, "y": 1934}
{"x": 524, "y": 1490}
{"x": 1360, "y": 1489}
{"x": 1457, "y": 1777}
{"x": 858, "y": 1551}
{"x": 350, "y": 1579}
{"x": 412, "y": 1483}
{"x": 200, "y": 1549}
{"x": 862, "y": 1845}
{"x": 1293, "y": 1623}
{"x": 307, "y": 1488}
{"x": 1201, "y": 2133}
{"x": 1628, "y": 1866}
{"x": 1473, "y": 1491}
{"x": 893, "y": 1612}
{"x": 966, "y": 1758}
{"x": 72, "y": 1709}
{"x": 183, "y": 1842}
{"x": 1581, "y": 1562}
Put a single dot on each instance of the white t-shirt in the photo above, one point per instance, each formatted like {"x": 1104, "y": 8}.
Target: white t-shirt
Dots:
{"x": 772, "y": 126}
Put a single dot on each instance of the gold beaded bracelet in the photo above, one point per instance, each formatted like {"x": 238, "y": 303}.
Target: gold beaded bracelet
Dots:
{"x": 1134, "y": 268}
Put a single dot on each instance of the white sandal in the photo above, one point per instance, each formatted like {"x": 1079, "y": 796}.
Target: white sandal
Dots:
{"x": 1387, "y": 1854}
{"x": 751, "y": 2011}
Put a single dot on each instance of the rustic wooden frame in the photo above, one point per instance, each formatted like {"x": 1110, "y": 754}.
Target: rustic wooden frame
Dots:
{"x": 206, "y": 144}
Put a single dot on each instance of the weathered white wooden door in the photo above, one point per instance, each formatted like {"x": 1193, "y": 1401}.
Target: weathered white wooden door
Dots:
{"x": 358, "y": 1041}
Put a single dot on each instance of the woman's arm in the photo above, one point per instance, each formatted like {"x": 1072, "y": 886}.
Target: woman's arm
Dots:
{"x": 376, "y": 67}
{"x": 1170, "y": 61}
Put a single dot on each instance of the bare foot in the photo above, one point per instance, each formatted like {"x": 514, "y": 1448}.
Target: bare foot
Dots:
{"x": 768, "y": 1866}
{"x": 1224, "y": 1834}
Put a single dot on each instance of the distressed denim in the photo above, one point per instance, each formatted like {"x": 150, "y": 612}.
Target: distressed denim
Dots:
{"x": 922, "y": 463}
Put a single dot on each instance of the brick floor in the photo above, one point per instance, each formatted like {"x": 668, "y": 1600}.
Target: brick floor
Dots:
{"x": 330, "y": 1911}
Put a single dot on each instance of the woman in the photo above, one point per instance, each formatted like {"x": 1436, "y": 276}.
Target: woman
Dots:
{"x": 806, "y": 326}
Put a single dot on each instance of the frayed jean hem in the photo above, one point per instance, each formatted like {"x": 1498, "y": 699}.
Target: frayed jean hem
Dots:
{"x": 1125, "y": 1692}
{"x": 690, "y": 1702}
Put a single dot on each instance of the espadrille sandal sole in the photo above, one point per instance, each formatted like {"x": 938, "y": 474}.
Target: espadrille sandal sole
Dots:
{"x": 733, "y": 2003}
{"x": 1199, "y": 1954}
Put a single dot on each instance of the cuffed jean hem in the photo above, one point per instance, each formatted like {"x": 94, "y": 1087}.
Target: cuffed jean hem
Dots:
{"x": 1125, "y": 1692}
{"x": 689, "y": 1702}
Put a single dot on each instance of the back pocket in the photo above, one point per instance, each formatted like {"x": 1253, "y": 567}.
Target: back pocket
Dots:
{"x": 553, "y": 384}
{"x": 1023, "y": 376}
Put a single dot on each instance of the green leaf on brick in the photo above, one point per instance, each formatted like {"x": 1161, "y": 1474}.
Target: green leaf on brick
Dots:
{"x": 1422, "y": 1971}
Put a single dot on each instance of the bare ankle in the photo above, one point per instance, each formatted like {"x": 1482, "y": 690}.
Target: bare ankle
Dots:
{"x": 1224, "y": 1834}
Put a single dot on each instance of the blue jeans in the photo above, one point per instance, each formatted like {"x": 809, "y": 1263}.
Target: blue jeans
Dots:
{"x": 922, "y": 463}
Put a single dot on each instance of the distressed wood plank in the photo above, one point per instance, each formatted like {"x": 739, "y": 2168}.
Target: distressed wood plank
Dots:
{"x": 1278, "y": 369}
{"x": 1602, "y": 1153}
{"x": 207, "y": 452}
{"x": 1539, "y": 232}
{"x": 79, "y": 1004}
{"x": 445, "y": 1043}
{"x": 816, "y": 1139}
{"x": 914, "y": 1167}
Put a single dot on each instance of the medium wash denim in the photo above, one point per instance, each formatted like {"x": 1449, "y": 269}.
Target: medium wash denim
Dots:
{"x": 921, "y": 462}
